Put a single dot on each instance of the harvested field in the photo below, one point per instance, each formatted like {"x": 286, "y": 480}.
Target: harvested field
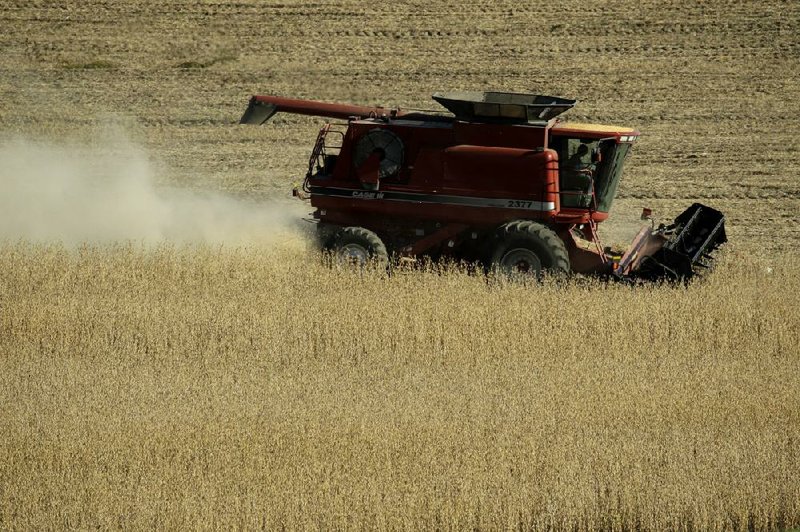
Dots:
{"x": 229, "y": 379}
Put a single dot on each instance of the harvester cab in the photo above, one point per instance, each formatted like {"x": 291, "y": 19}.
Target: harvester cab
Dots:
{"x": 501, "y": 179}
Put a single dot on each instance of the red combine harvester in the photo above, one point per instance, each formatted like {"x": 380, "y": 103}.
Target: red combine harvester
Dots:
{"x": 502, "y": 180}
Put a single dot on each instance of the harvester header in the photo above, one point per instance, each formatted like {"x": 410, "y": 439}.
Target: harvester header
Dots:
{"x": 502, "y": 180}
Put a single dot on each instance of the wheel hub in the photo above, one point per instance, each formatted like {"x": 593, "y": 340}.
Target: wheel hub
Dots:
{"x": 521, "y": 261}
{"x": 352, "y": 254}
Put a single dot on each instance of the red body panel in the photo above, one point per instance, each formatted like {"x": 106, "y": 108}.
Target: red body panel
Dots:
{"x": 456, "y": 177}
{"x": 498, "y": 172}
{"x": 504, "y": 135}
{"x": 452, "y": 172}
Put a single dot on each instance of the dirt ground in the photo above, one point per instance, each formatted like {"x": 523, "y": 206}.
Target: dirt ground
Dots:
{"x": 712, "y": 86}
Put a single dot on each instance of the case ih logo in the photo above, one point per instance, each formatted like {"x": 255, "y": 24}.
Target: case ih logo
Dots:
{"x": 367, "y": 195}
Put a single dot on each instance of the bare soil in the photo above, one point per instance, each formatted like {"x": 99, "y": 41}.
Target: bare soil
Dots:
{"x": 712, "y": 86}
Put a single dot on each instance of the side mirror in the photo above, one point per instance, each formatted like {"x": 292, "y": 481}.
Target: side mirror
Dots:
{"x": 647, "y": 214}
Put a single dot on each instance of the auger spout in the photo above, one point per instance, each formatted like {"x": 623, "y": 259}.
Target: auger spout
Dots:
{"x": 262, "y": 108}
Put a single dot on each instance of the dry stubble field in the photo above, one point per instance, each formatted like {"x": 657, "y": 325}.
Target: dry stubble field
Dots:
{"x": 214, "y": 385}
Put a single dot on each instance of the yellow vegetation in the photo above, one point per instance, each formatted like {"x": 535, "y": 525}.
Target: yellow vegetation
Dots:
{"x": 207, "y": 387}
{"x": 217, "y": 387}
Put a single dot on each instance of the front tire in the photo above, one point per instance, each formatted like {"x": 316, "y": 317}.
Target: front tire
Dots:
{"x": 357, "y": 246}
{"x": 527, "y": 250}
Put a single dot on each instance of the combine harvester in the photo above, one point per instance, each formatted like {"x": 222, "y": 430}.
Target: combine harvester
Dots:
{"x": 502, "y": 181}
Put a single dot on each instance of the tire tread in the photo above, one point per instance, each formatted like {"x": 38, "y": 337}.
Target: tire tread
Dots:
{"x": 534, "y": 231}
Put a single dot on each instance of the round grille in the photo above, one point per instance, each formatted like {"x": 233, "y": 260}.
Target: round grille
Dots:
{"x": 384, "y": 142}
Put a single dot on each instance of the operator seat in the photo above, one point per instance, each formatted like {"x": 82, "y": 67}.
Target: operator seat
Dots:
{"x": 577, "y": 176}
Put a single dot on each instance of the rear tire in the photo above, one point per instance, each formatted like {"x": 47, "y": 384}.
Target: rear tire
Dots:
{"x": 527, "y": 250}
{"x": 356, "y": 246}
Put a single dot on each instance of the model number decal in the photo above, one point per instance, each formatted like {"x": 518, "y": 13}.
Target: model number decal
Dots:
{"x": 519, "y": 204}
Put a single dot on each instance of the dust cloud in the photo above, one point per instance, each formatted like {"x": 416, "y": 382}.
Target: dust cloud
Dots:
{"x": 107, "y": 191}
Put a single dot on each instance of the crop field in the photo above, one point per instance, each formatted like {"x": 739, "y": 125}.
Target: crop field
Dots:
{"x": 174, "y": 354}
